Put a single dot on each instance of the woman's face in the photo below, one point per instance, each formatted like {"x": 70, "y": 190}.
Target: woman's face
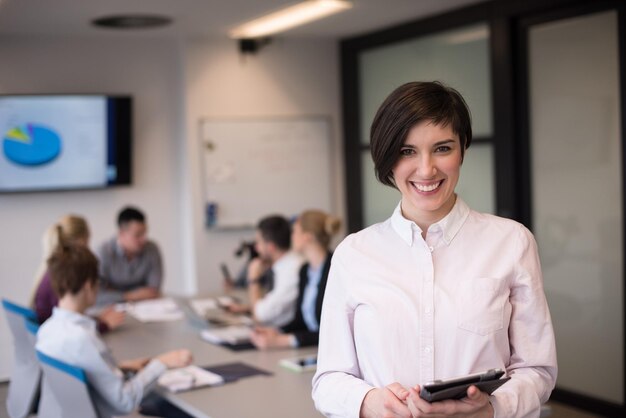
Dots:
{"x": 298, "y": 237}
{"x": 427, "y": 172}
{"x": 82, "y": 241}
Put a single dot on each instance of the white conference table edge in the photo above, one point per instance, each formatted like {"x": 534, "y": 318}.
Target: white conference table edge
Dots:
{"x": 284, "y": 394}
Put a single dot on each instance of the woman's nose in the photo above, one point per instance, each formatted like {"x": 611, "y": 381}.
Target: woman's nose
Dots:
{"x": 426, "y": 168}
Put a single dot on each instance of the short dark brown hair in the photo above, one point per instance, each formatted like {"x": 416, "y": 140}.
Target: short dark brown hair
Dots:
{"x": 405, "y": 107}
{"x": 70, "y": 267}
{"x": 276, "y": 229}
{"x": 130, "y": 214}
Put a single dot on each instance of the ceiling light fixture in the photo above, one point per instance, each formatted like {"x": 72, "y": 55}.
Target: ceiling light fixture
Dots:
{"x": 288, "y": 18}
{"x": 132, "y": 21}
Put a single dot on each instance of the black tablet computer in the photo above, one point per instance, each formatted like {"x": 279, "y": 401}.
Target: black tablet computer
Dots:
{"x": 456, "y": 388}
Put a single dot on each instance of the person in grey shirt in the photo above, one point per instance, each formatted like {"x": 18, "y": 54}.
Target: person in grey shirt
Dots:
{"x": 130, "y": 265}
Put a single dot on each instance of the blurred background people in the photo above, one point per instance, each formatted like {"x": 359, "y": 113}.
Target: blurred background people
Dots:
{"x": 272, "y": 243}
{"x": 130, "y": 265}
{"x": 311, "y": 237}
{"x": 69, "y": 230}
{"x": 71, "y": 337}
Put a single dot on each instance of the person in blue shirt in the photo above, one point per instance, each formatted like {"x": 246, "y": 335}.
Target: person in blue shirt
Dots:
{"x": 311, "y": 236}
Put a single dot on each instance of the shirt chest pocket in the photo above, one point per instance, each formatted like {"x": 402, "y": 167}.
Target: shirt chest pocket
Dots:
{"x": 481, "y": 304}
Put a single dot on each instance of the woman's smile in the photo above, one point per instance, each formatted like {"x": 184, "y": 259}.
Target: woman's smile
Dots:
{"x": 427, "y": 172}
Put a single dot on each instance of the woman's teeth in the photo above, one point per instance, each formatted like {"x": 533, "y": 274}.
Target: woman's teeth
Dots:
{"x": 427, "y": 188}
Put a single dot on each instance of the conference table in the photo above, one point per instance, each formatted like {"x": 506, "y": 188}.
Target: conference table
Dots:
{"x": 283, "y": 394}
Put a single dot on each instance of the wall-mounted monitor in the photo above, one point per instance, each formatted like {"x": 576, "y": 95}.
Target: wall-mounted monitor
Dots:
{"x": 62, "y": 142}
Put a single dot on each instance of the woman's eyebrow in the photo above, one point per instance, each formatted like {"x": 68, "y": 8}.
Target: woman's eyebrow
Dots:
{"x": 444, "y": 142}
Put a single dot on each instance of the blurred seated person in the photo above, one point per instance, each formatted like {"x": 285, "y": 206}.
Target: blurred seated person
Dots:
{"x": 69, "y": 230}
{"x": 311, "y": 236}
{"x": 240, "y": 281}
{"x": 130, "y": 264}
{"x": 272, "y": 243}
{"x": 71, "y": 337}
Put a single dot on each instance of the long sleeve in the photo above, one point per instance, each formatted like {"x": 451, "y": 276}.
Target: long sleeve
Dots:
{"x": 109, "y": 296}
{"x": 338, "y": 390}
{"x": 533, "y": 365}
{"x": 106, "y": 293}
{"x": 72, "y": 338}
{"x": 155, "y": 273}
{"x": 278, "y": 307}
{"x": 121, "y": 396}
{"x": 304, "y": 336}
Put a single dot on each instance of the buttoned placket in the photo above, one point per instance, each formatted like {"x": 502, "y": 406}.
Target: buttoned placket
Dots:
{"x": 426, "y": 306}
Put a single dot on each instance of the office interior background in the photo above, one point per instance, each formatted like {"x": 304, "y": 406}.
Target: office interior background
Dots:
{"x": 544, "y": 81}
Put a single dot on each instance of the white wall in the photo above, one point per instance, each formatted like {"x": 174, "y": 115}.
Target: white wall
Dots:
{"x": 174, "y": 83}
{"x": 285, "y": 78}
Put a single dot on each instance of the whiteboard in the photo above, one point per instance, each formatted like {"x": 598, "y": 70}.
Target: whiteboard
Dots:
{"x": 258, "y": 167}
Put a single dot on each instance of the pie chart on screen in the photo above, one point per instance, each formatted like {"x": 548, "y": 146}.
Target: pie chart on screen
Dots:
{"x": 31, "y": 144}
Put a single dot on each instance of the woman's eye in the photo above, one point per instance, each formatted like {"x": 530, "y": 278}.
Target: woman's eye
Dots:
{"x": 406, "y": 151}
{"x": 443, "y": 148}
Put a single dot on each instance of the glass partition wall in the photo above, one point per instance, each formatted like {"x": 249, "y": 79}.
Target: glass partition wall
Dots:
{"x": 577, "y": 192}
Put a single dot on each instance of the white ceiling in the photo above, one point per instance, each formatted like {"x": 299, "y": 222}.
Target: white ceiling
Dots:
{"x": 204, "y": 18}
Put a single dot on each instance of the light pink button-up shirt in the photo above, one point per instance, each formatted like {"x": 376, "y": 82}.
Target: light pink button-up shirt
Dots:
{"x": 399, "y": 308}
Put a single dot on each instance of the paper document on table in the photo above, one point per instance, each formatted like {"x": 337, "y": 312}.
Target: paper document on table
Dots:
{"x": 157, "y": 310}
{"x": 202, "y": 306}
{"x": 190, "y": 377}
{"x": 235, "y": 334}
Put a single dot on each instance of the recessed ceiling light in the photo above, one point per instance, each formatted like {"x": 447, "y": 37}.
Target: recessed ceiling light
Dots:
{"x": 289, "y": 17}
{"x": 136, "y": 21}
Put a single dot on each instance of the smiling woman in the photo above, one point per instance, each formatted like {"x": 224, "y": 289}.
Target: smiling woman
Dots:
{"x": 438, "y": 290}
{"x": 427, "y": 172}
{"x": 419, "y": 137}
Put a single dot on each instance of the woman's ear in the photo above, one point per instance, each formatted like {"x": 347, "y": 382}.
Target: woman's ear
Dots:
{"x": 308, "y": 236}
{"x": 90, "y": 286}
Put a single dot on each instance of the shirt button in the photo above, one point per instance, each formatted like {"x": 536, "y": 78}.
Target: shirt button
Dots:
{"x": 428, "y": 311}
{"x": 431, "y": 248}
{"x": 427, "y": 350}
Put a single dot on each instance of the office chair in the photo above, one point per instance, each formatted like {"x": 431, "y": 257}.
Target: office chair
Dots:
{"x": 26, "y": 375}
{"x": 64, "y": 390}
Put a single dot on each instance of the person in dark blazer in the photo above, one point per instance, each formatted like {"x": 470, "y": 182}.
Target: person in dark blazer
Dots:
{"x": 311, "y": 236}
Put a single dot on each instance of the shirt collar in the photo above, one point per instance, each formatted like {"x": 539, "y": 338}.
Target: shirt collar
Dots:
{"x": 74, "y": 317}
{"x": 449, "y": 225}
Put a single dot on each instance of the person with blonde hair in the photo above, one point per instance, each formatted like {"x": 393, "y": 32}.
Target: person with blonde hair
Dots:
{"x": 69, "y": 230}
{"x": 311, "y": 237}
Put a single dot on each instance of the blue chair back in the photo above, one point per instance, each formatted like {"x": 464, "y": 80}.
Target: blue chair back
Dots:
{"x": 64, "y": 391}
{"x": 23, "y": 393}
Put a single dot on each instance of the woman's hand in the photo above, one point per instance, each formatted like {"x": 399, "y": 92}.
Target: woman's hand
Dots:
{"x": 265, "y": 337}
{"x": 111, "y": 317}
{"x": 475, "y": 405}
{"x": 386, "y": 402}
{"x": 237, "y": 308}
{"x": 176, "y": 358}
